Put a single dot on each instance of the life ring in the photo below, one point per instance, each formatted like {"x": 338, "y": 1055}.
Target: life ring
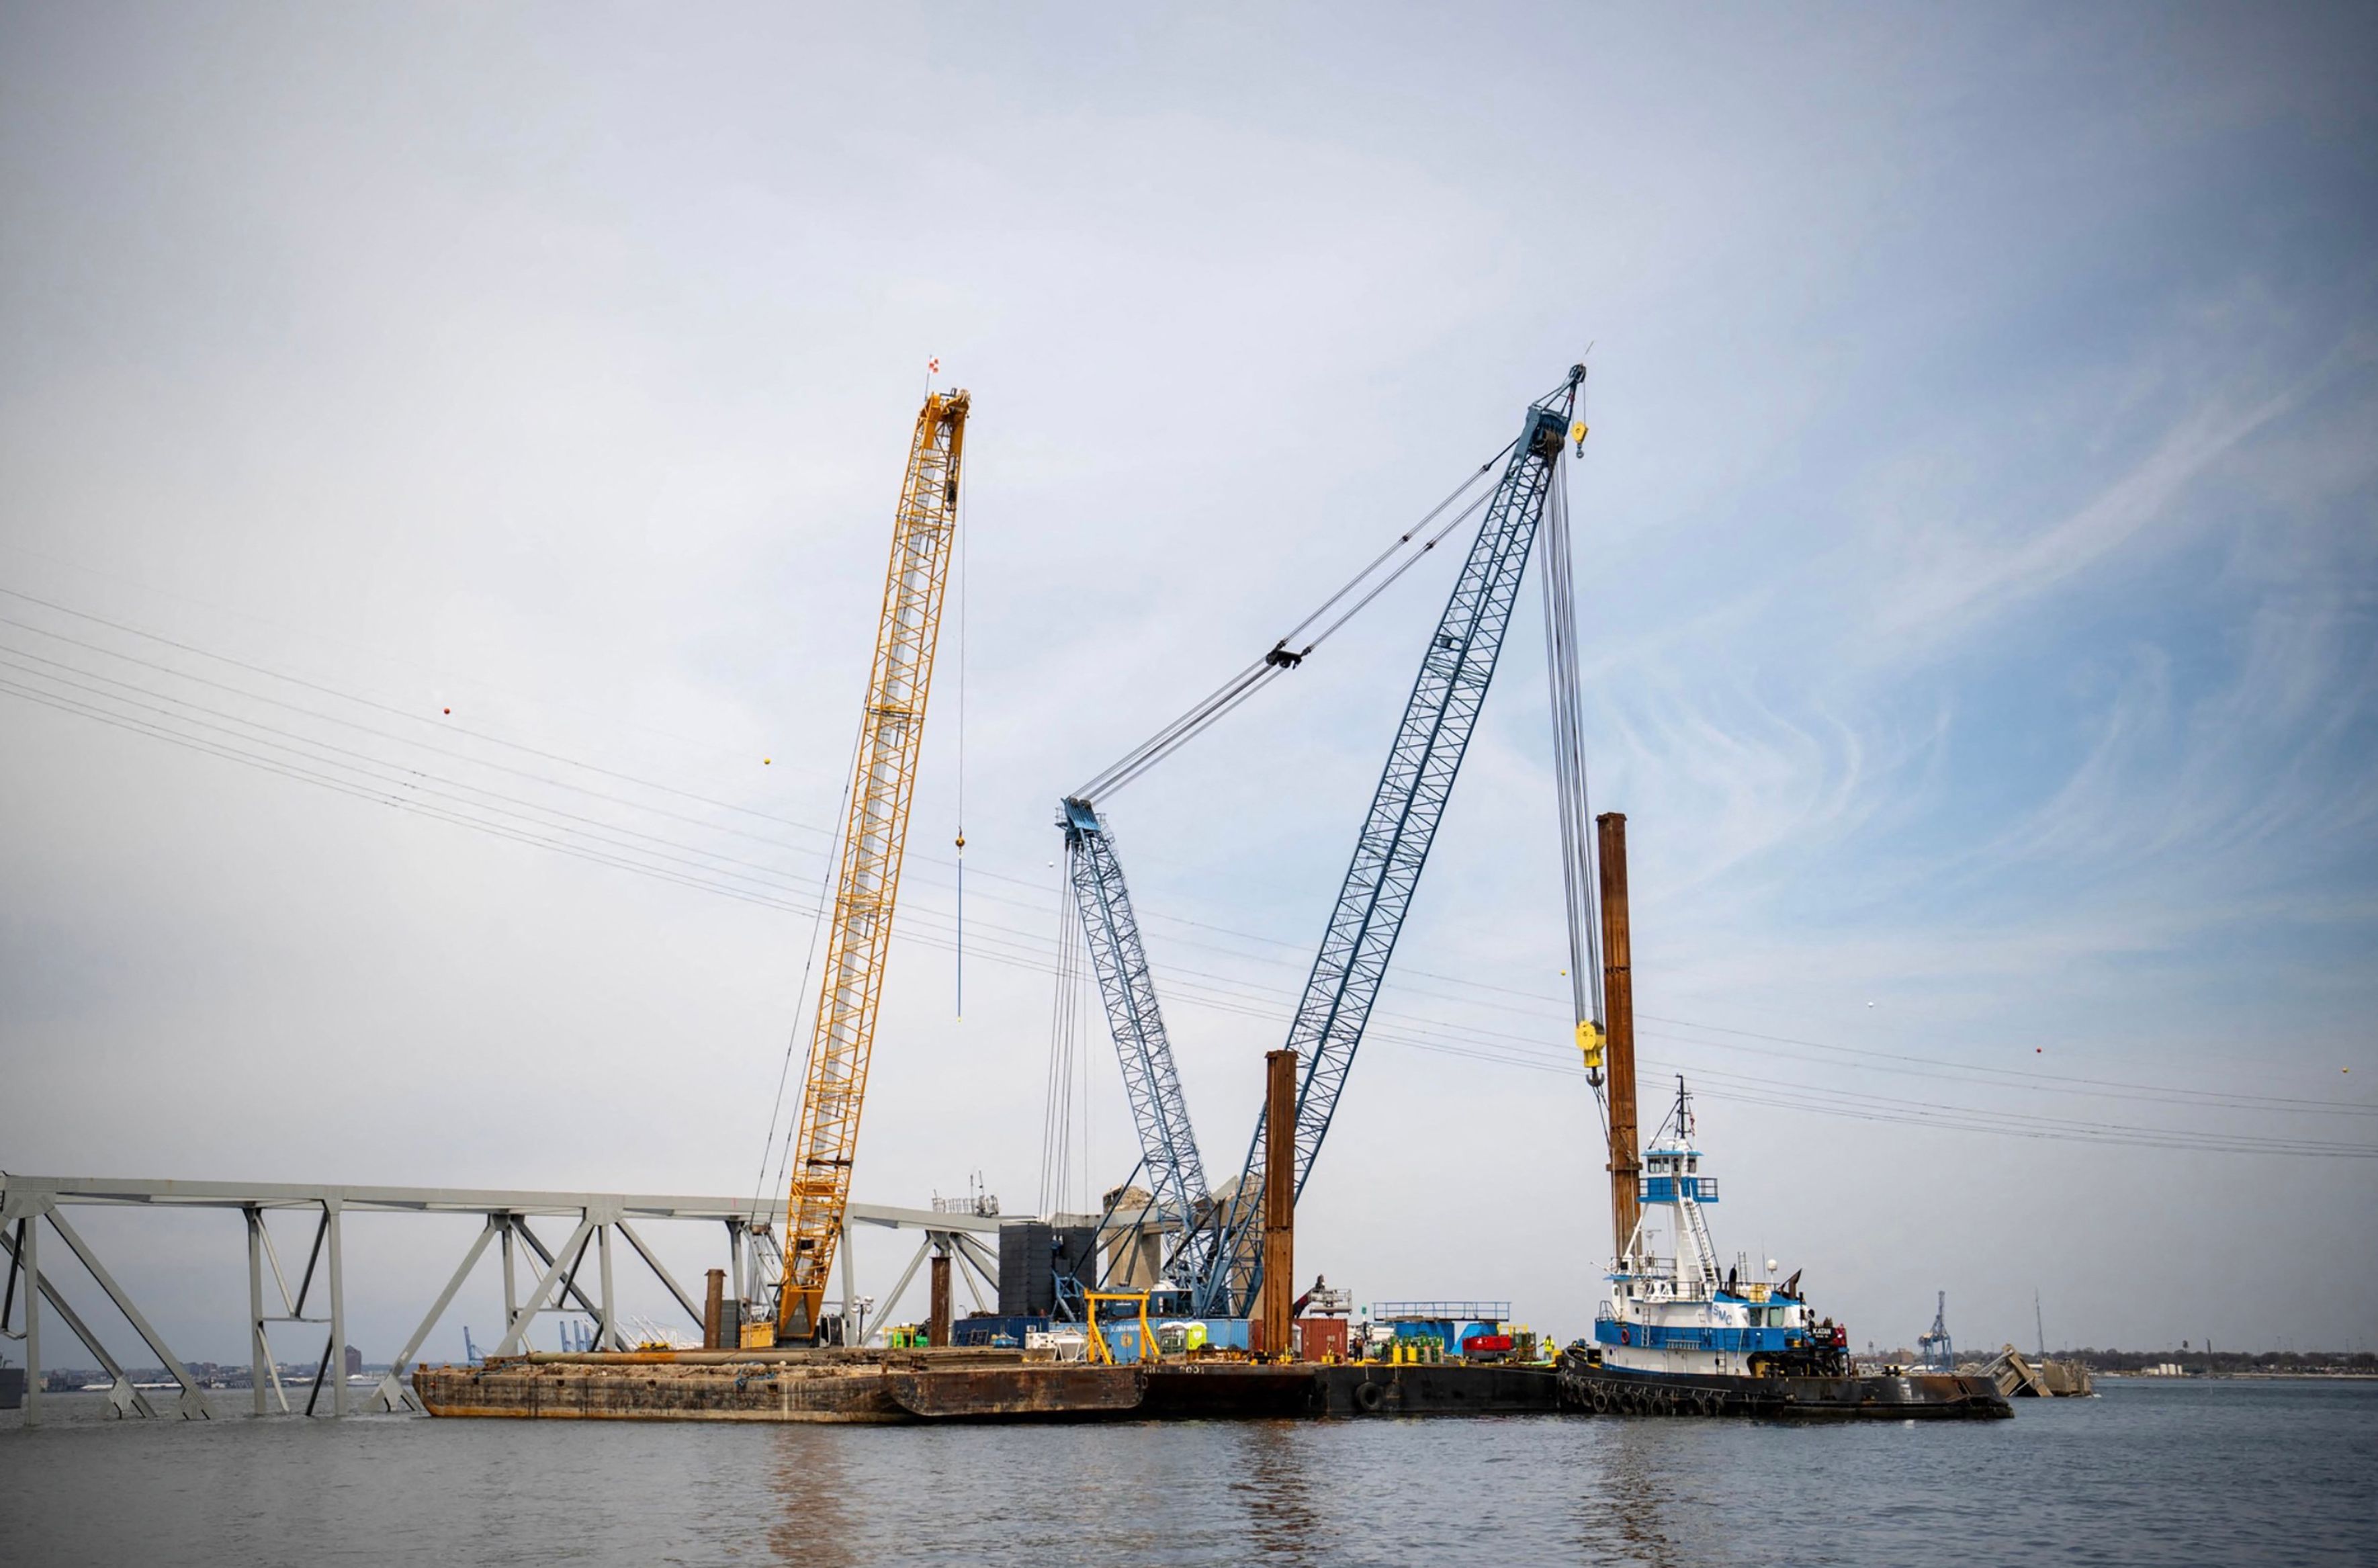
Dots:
{"x": 1623, "y": 1334}
{"x": 1369, "y": 1396}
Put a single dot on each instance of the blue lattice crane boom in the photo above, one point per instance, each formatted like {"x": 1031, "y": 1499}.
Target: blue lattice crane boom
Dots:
{"x": 1217, "y": 1253}
{"x": 1393, "y": 846}
{"x": 1176, "y": 1177}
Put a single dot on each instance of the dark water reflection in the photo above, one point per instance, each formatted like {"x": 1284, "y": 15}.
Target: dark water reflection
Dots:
{"x": 1278, "y": 1487}
{"x": 2150, "y": 1473}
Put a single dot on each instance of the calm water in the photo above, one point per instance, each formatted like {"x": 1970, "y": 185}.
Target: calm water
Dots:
{"x": 2178, "y": 1473}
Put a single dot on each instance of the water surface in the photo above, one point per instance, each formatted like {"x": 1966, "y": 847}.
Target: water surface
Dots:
{"x": 2192, "y": 1473}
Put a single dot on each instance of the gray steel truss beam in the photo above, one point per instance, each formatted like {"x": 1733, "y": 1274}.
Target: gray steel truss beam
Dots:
{"x": 661, "y": 1274}
{"x": 464, "y": 1200}
{"x": 514, "y": 1330}
{"x": 123, "y": 1393}
{"x": 892, "y": 1302}
{"x": 392, "y": 1395}
{"x": 569, "y": 1287}
{"x": 193, "y": 1404}
{"x": 560, "y": 1281}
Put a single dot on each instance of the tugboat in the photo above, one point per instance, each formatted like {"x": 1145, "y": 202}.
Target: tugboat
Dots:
{"x": 1680, "y": 1336}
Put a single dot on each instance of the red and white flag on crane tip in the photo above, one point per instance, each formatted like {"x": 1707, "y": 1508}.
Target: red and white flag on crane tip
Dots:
{"x": 933, "y": 366}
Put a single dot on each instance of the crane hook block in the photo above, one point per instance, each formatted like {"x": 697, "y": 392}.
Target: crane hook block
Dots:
{"x": 1589, "y": 1040}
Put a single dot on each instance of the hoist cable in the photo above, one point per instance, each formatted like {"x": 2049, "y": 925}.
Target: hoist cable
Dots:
{"x": 1568, "y": 763}
{"x": 1203, "y": 713}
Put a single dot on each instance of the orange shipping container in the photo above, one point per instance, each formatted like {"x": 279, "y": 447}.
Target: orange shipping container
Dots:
{"x": 1316, "y": 1338}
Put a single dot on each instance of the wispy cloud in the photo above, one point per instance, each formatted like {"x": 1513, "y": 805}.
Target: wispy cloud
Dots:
{"x": 1965, "y": 582}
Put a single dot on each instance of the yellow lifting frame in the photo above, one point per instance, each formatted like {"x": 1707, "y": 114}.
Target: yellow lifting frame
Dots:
{"x": 1098, "y": 1348}
{"x": 867, "y": 883}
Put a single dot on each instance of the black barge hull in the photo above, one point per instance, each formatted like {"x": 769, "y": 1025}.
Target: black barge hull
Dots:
{"x": 1613, "y": 1391}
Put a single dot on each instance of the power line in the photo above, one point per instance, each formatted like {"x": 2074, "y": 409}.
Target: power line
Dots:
{"x": 388, "y": 782}
{"x": 405, "y": 713}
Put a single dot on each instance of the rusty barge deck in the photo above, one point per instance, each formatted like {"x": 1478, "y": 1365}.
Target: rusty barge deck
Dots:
{"x": 863, "y": 1386}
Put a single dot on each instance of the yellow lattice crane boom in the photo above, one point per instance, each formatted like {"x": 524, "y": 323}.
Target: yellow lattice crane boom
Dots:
{"x": 868, "y": 879}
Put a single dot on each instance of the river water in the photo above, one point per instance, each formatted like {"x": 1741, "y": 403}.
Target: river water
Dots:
{"x": 2180, "y": 1472}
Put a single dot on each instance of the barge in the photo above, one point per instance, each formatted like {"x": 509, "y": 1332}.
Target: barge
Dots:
{"x": 853, "y": 1387}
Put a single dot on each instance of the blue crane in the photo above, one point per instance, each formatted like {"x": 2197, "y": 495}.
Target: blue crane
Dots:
{"x": 1176, "y": 1178}
{"x": 1216, "y": 1254}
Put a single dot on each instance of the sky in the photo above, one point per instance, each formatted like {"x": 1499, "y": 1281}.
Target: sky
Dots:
{"x": 446, "y": 462}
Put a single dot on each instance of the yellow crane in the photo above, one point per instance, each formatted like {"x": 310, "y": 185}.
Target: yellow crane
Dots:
{"x": 868, "y": 881}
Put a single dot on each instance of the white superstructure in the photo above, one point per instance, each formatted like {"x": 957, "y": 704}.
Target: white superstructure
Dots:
{"x": 1681, "y": 1312}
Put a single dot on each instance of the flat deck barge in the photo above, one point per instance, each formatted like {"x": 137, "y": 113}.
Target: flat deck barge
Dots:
{"x": 962, "y": 1384}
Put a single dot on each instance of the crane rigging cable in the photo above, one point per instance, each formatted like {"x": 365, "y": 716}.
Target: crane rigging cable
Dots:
{"x": 1577, "y": 884}
{"x": 1370, "y": 582}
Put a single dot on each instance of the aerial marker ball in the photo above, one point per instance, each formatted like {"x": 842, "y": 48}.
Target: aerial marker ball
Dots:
{"x": 445, "y": 710}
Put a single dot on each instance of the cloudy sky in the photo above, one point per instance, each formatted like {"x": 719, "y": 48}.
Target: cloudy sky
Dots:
{"x": 1977, "y": 571}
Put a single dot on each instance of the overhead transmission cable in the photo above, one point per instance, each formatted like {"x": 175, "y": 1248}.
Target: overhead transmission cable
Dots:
{"x": 1529, "y": 1052}
{"x": 413, "y": 788}
{"x": 403, "y": 713}
{"x": 410, "y": 788}
{"x": 801, "y": 1008}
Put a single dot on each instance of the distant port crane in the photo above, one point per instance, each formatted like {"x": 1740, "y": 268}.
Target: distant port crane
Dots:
{"x": 1933, "y": 1349}
{"x": 1216, "y": 1254}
